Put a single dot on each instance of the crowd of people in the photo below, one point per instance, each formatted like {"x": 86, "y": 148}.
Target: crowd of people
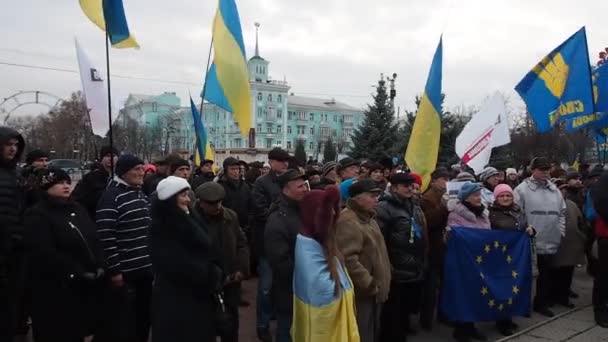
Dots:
{"x": 343, "y": 251}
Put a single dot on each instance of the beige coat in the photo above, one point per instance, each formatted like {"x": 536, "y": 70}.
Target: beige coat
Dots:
{"x": 362, "y": 244}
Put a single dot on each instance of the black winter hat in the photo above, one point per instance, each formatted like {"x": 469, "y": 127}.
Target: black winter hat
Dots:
{"x": 34, "y": 155}
{"x": 46, "y": 178}
{"x": 179, "y": 163}
{"x": 279, "y": 154}
{"x": 230, "y": 161}
{"x": 289, "y": 176}
{"x": 125, "y": 163}
{"x": 105, "y": 150}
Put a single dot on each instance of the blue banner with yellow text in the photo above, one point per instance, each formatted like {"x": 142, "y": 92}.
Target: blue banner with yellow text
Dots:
{"x": 487, "y": 275}
{"x": 598, "y": 119}
{"x": 559, "y": 87}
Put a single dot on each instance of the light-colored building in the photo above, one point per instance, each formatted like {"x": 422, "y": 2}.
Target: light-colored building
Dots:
{"x": 280, "y": 119}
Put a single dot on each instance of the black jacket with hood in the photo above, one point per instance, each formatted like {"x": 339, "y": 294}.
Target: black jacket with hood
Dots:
{"x": 11, "y": 196}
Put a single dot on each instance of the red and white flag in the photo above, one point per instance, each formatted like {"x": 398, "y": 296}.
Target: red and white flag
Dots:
{"x": 487, "y": 129}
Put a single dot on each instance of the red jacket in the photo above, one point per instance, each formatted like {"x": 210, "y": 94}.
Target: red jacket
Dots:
{"x": 601, "y": 228}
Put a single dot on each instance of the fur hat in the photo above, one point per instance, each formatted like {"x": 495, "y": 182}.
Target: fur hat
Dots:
{"x": 34, "y": 155}
{"x": 179, "y": 163}
{"x": 170, "y": 187}
{"x": 467, "y": 190}
{"x": 316, "y": 212}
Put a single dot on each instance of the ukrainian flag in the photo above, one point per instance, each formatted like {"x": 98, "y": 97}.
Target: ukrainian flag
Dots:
{"x": 423, "y": 147}
{"x": 318, "y": 313}
{"x": 227, "y": 81}
{"x": 110, "y": 15}
{"x": 559, "y": 87}
{"x": 202, "y": 145}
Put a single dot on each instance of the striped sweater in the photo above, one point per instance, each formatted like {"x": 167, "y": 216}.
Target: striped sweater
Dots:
{"x": 123, "y": 221}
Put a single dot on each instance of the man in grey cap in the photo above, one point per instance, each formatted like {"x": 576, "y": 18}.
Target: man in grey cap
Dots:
{"x": 545, "y": 210}
{"x": 266, "y": 190}
{"x": 229, "y": 243}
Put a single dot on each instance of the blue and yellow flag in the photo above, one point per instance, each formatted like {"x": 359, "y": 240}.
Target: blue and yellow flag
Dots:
{"x": 318, "y": 313}
{"x": 559, "y": 87}
{"x": 110, "y": 14}
{"x": 227, "y": 81}
{"x": 487, "y": 275}
{"x": 202, "y": 145}
{"x": 598, "y": 119}
{"x": 423, "y": 147}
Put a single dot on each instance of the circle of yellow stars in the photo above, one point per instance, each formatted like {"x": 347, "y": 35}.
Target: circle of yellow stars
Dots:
{"x": 492, "y": 303}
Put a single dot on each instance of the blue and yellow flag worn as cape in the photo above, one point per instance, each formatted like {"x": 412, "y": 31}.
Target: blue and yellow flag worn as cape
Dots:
{"x": 559, "y": 86}
{"x": 318, "y": 314}
{"x": 487, "y": 275}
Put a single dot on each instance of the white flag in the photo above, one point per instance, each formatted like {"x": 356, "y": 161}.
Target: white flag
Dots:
{"x": 95, "y": 92}
{"x": 487, "y": 129}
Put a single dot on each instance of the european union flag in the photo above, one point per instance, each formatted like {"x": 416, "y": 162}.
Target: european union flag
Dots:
{"x": 559, "y": 87}
{"x": 487, "y": 275}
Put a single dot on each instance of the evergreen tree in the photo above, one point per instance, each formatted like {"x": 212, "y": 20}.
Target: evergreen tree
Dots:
{"x": 376, "y": 136}
{"x": 329, "y": 151}
{"x": 451, "y": 126}
{"x": 300, "y": 153}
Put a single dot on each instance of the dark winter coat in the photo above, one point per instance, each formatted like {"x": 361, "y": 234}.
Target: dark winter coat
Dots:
{"x": 507, "y": 218}
{"x": 61, "y": 245}
{"x": 185, "y": 277}
{"x": 576, "y": 195}
{"x": 599, "y": 194}
{"x": 398, "y": 220}
{"x": 436, "y": 214}
{"x": 151, "y": 182}
{"x": 238, "y": 198}
{"x": 571, "y": 250}
{"x": 280, "y": 241}
{"x": 90, "y": 188}
{"x": 228, "y": 239}
{"x": 265, "y": 192}
{"x": 201, "y": 179}
{"x": 11, "y": 197}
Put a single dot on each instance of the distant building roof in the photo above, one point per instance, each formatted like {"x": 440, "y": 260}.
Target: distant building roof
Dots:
{"x": 323, "y": 104}
{"x": 140, "y": 97}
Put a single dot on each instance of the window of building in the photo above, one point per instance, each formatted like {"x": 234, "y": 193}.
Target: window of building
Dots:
{"x": 259, "y": 128}
{"x": 311, "y": 145}
{"x": 257, "y": 69}
{"x": 237, "y": 142}
{"x": 312, "y": 131}
{"x": 288, "y": 130}
{"x": 279, "y": 142}
{"x": 311, "y": 117}
{"x": 334, "y": 132}
{"x": 269, "y": 97}
{"x": 301, "y": 116}
{"x": 260, "y": 97}
{"x": 279, "y": 113}
{"x": 155, "y": 107}
{"x": 301, "y": 129}
{"x": 279, "y": 129}
{"x": 268, "y": 143}
{"x": 335, "y": 118}
{"x": 289, "y": 145}
{"x": 325, "y": 132}
{"x": 268, "y": 128}
{"x": 279, "y": 98}
{"x": 260, "y": 112}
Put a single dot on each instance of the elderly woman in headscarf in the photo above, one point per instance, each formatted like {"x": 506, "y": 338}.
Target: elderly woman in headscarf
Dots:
{"x": 323, "y": 293}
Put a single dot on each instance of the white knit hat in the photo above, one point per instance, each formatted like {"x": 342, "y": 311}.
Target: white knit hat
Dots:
{"x": 511, "y": 171}
{"x": 171, "y": 186}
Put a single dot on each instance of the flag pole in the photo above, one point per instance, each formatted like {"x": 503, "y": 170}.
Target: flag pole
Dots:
{"x": 110, "y": 136}
{"x": 205, "y": 81}
{"x": 202, "y": 153}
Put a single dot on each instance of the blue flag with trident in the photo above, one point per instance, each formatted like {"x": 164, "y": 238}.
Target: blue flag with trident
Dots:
{"x": 487, "y": 275}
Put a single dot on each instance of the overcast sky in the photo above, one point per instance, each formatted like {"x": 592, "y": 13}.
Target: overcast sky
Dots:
{"x": 325, "y": 48}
